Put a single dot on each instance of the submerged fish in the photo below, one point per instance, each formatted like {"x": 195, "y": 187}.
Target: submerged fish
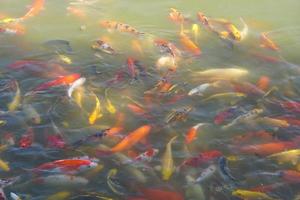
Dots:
{"x": 222, "y": 74}
{"x": 167, "y": 162}
{"x": 251, "y": 195}
{"x": 118, "y": 26}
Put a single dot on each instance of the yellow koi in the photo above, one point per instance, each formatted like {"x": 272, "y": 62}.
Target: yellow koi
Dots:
{"x": 167, "y": 161}
{"x": 226, "y": 95}
{"x": 250, "y": 195}
{"x": 12, "y": 106}
{"x": 65, "y": 59}
{"x": 195, "y": 29}
{"x": 222, "y": 74}
{"x": 109, "y": 106}
{"x": 60, "y": 196}
{"x": 290, "y": 156}
{"x": 96, "y": 114}
{"x": 4, "y": 166}
{"x": 273, "y": 122}
{"x": 78, "y": 96}
{"x": 113, "y": 186}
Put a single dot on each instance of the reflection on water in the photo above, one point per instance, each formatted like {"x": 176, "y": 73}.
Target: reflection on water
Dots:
{"x": 108, "y": 99}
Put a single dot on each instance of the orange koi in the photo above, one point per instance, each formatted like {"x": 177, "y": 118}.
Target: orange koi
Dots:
{"x": 26, "y": 139}
{"x": 189, "y": 45}
{"x": 167, "y": 47}
{"x": 136, "y": 109}
{"x": 191, "y": 135}
{"x": 263, "y": 83}
{"x": 118, "y": 26}
{"x": 35, "y": 9}
{"x": 266, "y": 42}
{"x": 131, "y": 139}
{"x": 268, "y": 148}
{"x": 203, "y": 19}
{"x": 131, "y": 67}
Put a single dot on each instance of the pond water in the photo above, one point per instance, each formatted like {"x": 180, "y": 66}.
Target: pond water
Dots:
{"x": 149, "y": 100}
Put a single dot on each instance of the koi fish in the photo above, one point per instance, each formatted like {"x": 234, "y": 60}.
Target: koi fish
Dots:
{"x": 247, "y": 88}
{"x": 98, "y": 135}
{"x": 136, "y": 46}
{"x": 191, "y": 135}
{"x": 291, "y": 106}
{"x": 131, "y": 139}
{"x": 290, "y": 176}
{"x": 69, "y": 166}
{"x": 267, "y": 188}
{"x": 176, "y": 16}
{"x": 225, "y": 96}
{"x": 13, "y": 29}
{"x": 109, "y": 106}
{"x": 206, "y": 173}
{"x": 263, "y": 83}
{"x": 202, "y": 158}
{"x": 59, "y": 196}
{"x": 147, "y": 156}
{"x": 267, "y": 43}
{"x": 155, "y": 194}
{"x": 222, "y": 74}
{"x": 77, "y": 83}
{"x": 224, "y": 170}
{"x": 63, "y": 80}
{"x": 195, "y": 29}
{"x": 168, "y": 167}
{"x": 289, "y": 156}
{"x": 35, "y": 9}
{"x": 245, "y": 118}
{"x": 96, "y": 113}
{"x": 137, "y": 109}
{"x": 189, "y": 45}
{"x": 131, "y": 67}
{"x": 14, "y": 104}
{"x": 4, "y": 166}
{"x": 222, "y": 116}
{"x": 201, "y": 89}
{"x": 14, "y": 196}
{"x": 118, "y": 26}
{"x": 251, "y": 195}
{"x": 103, "y": 46}
{"x": 264, "y": 135}
{"x": 273, "y": 122}
{"x": 167, "y": 47}
{"x": 203, "y": 19}
{"x": 268, "y": 148}
{"x": 26, "y": 139}
{"x": 55, "y": 141}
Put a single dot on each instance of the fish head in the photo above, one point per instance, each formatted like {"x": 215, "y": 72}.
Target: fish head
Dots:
{"x": 89, "y": 166}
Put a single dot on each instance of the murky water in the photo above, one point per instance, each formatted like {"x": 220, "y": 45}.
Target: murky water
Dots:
{"x": 247, "y": 104}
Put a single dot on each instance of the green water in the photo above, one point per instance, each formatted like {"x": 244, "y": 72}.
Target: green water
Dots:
{"x": 60, "y": 114}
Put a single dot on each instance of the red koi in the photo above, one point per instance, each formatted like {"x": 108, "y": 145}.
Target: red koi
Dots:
{"x": 264, "y": 135}
{"x": 26, "y": 139}
{"x": 68, "y": 165}
{"x": 292, "y": 106}
{"x": 63, "y": 80}
{"x": 55, "y": 141}
{"x": 202, "y": 158}
{"x": 290, "y": 176}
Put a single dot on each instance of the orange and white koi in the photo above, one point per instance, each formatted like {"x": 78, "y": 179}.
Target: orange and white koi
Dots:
{"x": 118, "y": 26}
{"x": 79, "y": 82}
{"x": 176, "y": 16}
{"x": 167, "y": 47}
{"x": 191, "y": 135}
{"x": 147, "y": 156}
